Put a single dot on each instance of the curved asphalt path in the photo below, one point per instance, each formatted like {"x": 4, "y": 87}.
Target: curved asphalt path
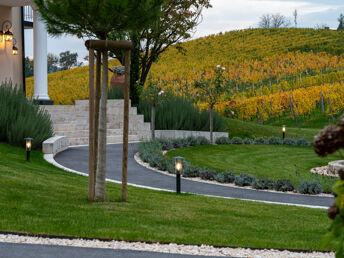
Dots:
{"x": 76, "y": 158}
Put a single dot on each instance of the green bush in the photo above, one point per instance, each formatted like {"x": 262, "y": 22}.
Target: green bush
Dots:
{"x": 244, "y": 180}
{"x": 166, "y": 144}
{"x": 310, "y": 187}
{"x": 259, "y": 141}
{"x": 236, "y": 140}
{"x": 222, "y": 140}
{"x": 201, "y": 140}
{"x": 263, "y": 183}
{"x": 274, "y": 141}
{"x": 178, "y": 113}
{"x": 116, "y": 93}
{"x": 225, "y": 177}
{"x": 21, "y": 118}
{"x": 302, "y": 142}
{"x": 247, "y": 141}
{"x": 207, "y": 174}
{"x": 284, "y": 185}
{"x": 190, "y": 170}
{"x": 289, "y": 141}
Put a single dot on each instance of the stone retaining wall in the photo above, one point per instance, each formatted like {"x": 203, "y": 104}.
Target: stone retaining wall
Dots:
{"x": 173, "y": 134}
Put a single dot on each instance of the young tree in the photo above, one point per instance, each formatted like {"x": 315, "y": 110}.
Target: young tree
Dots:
{"x": 153, "y": 94}
{"x": 68, "y": 60}
{"x": 178, "y": 22}
{"x": 341, "y": 22}
{"x": 97, "y": 19}
{"x": 210, "y": 89}
{"x": 265, "y": 21}
{"x": 275, "y": 21}
{"x": 295, "y": 14}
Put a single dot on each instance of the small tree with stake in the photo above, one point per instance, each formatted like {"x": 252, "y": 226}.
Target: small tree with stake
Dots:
{"x": 98, "y": 19}
{"x": 153, "y": 94}
{"x": 210, "y": 89}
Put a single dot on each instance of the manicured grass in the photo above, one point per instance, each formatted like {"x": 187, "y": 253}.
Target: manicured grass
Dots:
{"x": 251, "y": 130}
{"x": 269, "y": 161}
{"x": 36, "y": 197}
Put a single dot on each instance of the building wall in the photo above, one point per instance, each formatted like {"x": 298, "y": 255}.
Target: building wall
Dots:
{"x": 11, "y": 67}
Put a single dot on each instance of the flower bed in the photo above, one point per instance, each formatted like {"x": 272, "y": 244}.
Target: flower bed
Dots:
{"x": 152, "y": 152}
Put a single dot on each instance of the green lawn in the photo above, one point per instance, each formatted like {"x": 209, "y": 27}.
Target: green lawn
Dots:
{"x": 251, "y": 130}
{"x": 36, "y": 197}
{"x": 269, "y": 161}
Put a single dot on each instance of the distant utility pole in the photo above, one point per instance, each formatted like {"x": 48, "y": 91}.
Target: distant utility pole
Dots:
{"x": 295, "y": 17}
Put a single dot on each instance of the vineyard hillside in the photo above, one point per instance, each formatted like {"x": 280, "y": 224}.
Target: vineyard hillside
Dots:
{"x": 270, "y": 73}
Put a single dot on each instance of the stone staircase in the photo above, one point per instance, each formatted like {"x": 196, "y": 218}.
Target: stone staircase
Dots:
{"x": 73, "y": 121}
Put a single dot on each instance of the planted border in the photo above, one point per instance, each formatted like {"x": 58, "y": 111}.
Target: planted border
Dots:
{"x": 151, "y": 152}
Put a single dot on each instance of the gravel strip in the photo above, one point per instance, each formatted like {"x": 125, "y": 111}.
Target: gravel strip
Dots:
{"x": 162, "y": 248}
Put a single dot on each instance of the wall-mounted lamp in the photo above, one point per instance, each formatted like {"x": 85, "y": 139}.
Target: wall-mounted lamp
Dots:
{"x": 1, "y": 36}
{"x": 14, "y": 48}
{"x": 7, "y": 34}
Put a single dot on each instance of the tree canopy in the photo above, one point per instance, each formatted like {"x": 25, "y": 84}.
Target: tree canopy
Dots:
{"x": 96, "y": 19}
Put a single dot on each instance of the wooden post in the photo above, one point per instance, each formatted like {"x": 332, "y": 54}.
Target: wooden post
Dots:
{"x": 125, "y": 126}
{"x": 96, "y": 107}
{"x": 91, "y": 171}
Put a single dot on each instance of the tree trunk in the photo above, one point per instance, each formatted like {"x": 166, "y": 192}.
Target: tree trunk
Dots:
{"x": 91, "y": 171}
{"x": 125, "y": 126}
{"x": 101, "y": 168}
{"x": 96, "y": 107}
{"x": 153, "y": 122}
{"x": 211, "y": 122}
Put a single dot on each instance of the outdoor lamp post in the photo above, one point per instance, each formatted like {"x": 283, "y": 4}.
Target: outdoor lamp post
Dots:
{"x": 283, "y": 131}
{"x": 178, "y": 165}
{"x": 28, "y": 144}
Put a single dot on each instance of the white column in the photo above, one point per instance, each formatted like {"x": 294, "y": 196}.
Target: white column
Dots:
{"x": 40, "y": 59}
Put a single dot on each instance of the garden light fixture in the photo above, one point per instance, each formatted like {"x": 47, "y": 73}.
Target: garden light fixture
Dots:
{"x": 28, "y": 145}
{"x": 14, "y": 48}
{"x": 283, "y": 131}
{"x": 7, "y": 34}
{"x": 178, "y": 165}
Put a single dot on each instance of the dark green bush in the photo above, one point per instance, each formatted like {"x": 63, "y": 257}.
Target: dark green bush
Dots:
{"x": 191, "y": 171}
{"x": 222, "y": 140}
{"x": 259, "y": 140}
{"x": 116, "y": 93}
{"x": 289, "y": 141}
{"x": 310, "y": 187}
{"x": 201, "y": 140}
{"x": 263, "y": 183}
{"x": 192, "y": 140}
{"x": 236, "y": 140}
{"x": 274, "y": 141}
{"x": 166, "y": 144}
{"x": 284, "y": 185}
{"x": 21, "y": 118}
{"x": 244, "y": 180}
{"x": 207, "y": 174}
{"x": 225, "y": 177}
{"x": 247, "y": 141}
{"x": 302, "y": 142}
{"x": 178, "y": 113}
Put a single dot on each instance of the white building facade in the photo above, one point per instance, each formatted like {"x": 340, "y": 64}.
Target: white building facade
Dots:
{"x": 12, "y": 64}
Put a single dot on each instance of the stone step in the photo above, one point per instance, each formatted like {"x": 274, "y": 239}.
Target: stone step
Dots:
{"x": 82, "y": 126}
{"x": 85, "y": 133}
{"x": 71, "y": 111}
{"x": 84, "y": 119}
{"x": 109, "y": 139}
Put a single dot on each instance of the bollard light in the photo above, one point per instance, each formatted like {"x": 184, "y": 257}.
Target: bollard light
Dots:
{"x": 28, "y": 145}
{"x": 283, "y": 131}
{"x": 178, "y": 165}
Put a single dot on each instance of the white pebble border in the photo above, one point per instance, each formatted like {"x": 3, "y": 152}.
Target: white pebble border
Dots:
{"x": 323, "y": 171}
{"x": 198, "y": 179}
{"x": 162, "y": 248}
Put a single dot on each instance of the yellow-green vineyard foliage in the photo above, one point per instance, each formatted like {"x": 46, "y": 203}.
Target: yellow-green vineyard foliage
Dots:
{"x": 266, "y": 70}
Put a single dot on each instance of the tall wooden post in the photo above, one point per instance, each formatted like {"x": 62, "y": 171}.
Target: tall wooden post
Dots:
{"x": 125, "y": 126}
{"x": 91, "y": 171}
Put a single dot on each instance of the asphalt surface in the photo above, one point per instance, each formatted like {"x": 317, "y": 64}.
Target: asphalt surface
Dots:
{"x": 10, "y": 250}
{"x": 76, "y": 158}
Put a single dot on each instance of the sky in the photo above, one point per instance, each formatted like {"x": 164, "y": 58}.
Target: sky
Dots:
{"x": 226, "y": 15}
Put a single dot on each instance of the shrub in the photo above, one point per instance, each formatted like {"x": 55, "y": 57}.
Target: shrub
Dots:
{"x": 170, "y": 167}
{"x": 192, "y": 140}
{"x": 236, "y": 140}
{"x": 302, "y": 142}
{"x": 178, "y": 143}
{"x": 148, "y": 149}
{"x": 244, "y": 180}
{"x": 274, "y": 141}
{"x": 263, "y": 183}
{"x": 289, "y": 141}
{"x": 116, "y": 93}
{"x": 166, "y": 144}
{"x": 310, "y": 187}
{"x": 225, "y": 177}
{"x": 179, "y": 113}
{"x": 259, "y": 140}
{"x": 247, "y": 141}
{"x": 21, "y": 118}
{"x": 207, "y": 174}
{"x": 284, "y": 185}
{"x": 222, "y": 140}
{"x": 201, "y": 140}
{"x": 191, "y": 171}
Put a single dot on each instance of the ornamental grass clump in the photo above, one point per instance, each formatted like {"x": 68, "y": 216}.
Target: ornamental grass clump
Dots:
{"x": 21, "y": 118}
{"x": 310, "y": 187}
